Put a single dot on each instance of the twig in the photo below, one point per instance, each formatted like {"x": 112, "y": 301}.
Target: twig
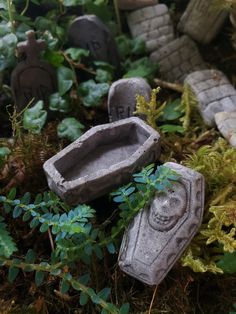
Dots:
{"x": 174, "y": 86}
{"x": 51, "y": 239}
{"x": 117, "y": 15}
{"x": 153, "y": 298}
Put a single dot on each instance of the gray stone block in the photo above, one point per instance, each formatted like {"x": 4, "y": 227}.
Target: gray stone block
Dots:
{"x": 152, "y": 24}
{"x": 226, "y": 123}
{"x": 102, "y": 159}
{"x": 160, "y": 233}
{"x": 122, "y": 97}
{"x": 172, "y": 57}
{"x": 213, "y": 92}
{"x": 135, "y": 4}
{"x": 202, "y": 20}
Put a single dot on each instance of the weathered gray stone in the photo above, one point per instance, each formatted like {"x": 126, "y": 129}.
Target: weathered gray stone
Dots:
{"x": 213, "y": 92}
{"x": 160, "y": 233}
{"x": 32, "y": 79}
{"x": 226, "y": 123}
{"x": 202, "y": 20}
{"x": 178, "y": 58}
{"x": 122, "y": 97}
{"x": 101, "y": 159}
{"x": 135, "y": 4}
{"x": 152, "y": 24}
{"x": 89, "y": 32}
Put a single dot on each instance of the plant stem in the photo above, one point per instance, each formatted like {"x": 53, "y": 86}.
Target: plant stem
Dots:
{"x": 10, "y": 14}
{"x": 117, "y": 16}
{"x": 25, "y": 8}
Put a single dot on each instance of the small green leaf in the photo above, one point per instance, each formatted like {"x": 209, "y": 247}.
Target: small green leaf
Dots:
{"x": 124, "y": 309}
{"x": 17, "y": 212}
{"x": 39, "y": 276}
{"x": 30, "y": 257}
{"x": 77, "y": 53}
{"x": 92, "y": 92}
{"x": 65, "y": 77}
{"x": 70, "y": 128}
{"x": 104, "y": 293}
{"x": 12, "y": 194}
{"x": 58, "y": 103}
{"x": 83, "y": 299}
{"x": 171, "y": 128}
{"x": 54, "y": 57}
{"x": 228, "y": 263}
{"x": 12, "y": 273}
{"x": 35, "y": 118}
{"x": 111, "y": 248}
{"x": 64, "y": 286}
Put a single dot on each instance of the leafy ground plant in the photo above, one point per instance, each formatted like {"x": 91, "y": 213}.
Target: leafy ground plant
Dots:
{"x": 74, "y": 237}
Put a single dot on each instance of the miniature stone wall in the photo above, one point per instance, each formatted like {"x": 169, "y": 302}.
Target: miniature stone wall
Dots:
{"x": 226, "y": 123}
{"x": 202, "y": 20}
{"x": 152, "y": 24}
{"x": 177, "y": 59}
{"x": 135, "y": 4}
{"x": 213, "y": 92}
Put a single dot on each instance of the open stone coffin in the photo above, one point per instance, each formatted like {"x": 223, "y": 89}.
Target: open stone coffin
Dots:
{"x": 103, "y": 158}
{"x": 160, "y": 233}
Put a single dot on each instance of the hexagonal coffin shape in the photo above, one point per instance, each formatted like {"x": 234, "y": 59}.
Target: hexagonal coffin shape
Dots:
{"x": 160, "y": 233}
{"x": 103, "y": 158}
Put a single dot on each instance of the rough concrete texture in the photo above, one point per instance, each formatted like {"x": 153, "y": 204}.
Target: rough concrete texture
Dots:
{"x": 160, "y": 233}
{"x": 89, "y": 32}
{"x": 214, "y": 93}
{"x": 122, "y": 97}
{"x": 135, "y": 4}
{"x": 103, "y": 158}
{"x": 33, "y": 79}
{"x": 177, "y": 59}
{"x": 202, "y": 20}
{"x": 226, "y": 123}
{"x": 152, "y": 24}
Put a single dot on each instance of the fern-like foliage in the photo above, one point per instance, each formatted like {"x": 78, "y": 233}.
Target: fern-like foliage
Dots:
{"x": 7, "y": 244}
{"x": 150, "y": 110}
{"x": 218, "y": 232}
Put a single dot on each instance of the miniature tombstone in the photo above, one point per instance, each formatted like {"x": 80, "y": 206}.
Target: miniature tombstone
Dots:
{"x": 152, "y": 24}
{"x": 226, "y": 123}
{"x": 32, "y": 79}
{"x": 103, "y": 158}
{"x": 89, "y": 32}
{"x": 160, "y": 233}
{"x": 177, "y": 59}
{"x": 202, "y": 21}
{"x": 135, "y": 4}
{"x": 122, "y": 97}
{"x": 213, "y": 92}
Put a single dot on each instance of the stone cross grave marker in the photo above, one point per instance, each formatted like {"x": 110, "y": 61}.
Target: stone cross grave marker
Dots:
{"x": 32, "y": 79}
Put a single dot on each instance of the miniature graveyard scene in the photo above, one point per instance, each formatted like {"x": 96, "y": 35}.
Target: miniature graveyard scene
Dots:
{"x": 135, "y": 4}
{"x": 101, "y": 159}
{"x": 122, "y": 97}
{"x": 202, "y": 20}
{"x": 32, "y": 79}
{"x": 152, "y": 24}
{"x": 213, "y": 92}
{"x": 226, "y": 123}
{"x": 89, "y": 32}
{"x": 177, "y": 59}
{"x": 160, "y": 233}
